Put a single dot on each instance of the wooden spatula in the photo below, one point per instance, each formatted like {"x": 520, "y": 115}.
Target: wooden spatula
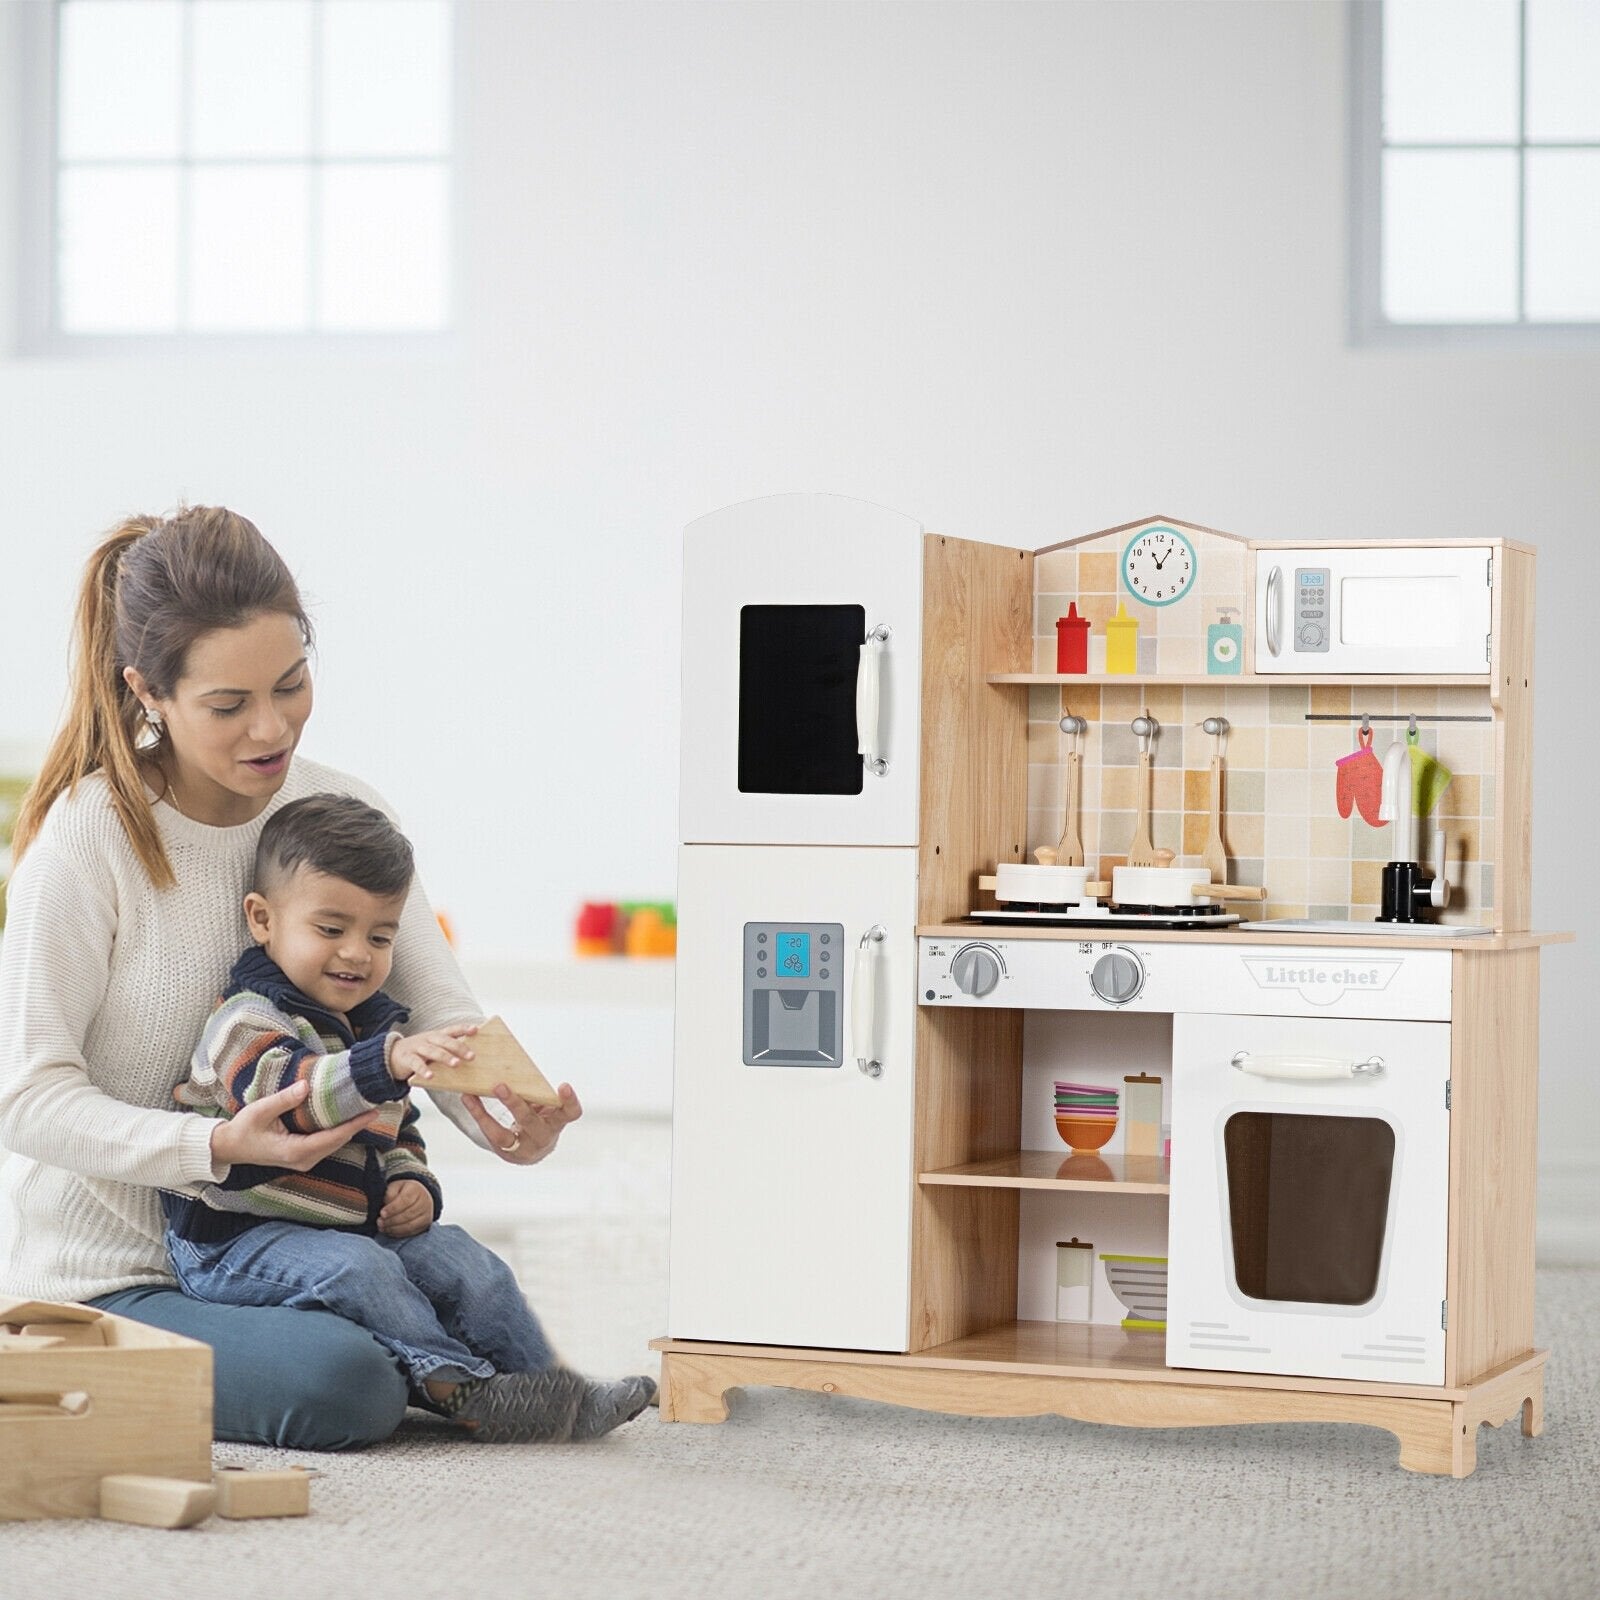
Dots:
{"x": 1215, "y": 857}
{"x": 1069, "y": 853}
{"x": 1142, "y": 853}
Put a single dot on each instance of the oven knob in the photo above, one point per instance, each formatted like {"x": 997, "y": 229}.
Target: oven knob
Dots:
{"x": 1311, "y": 635}
{"x": 976, "y": 970}
{"x": 1117, "y": 977}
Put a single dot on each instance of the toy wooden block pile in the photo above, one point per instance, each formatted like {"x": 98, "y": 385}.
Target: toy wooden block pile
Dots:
{"x": 100, "y": 1416}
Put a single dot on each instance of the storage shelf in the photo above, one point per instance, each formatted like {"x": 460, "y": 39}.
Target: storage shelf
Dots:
{"x": 1047, "y": 1169}
{"x": 1221, "y": 680}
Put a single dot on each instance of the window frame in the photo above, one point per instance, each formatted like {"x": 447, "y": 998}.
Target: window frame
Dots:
{"x": 38, "y": 333}
{"x": 1369, "y": 326}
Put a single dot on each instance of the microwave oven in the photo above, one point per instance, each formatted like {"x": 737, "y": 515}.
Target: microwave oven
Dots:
{"x": 1392, "y": 608}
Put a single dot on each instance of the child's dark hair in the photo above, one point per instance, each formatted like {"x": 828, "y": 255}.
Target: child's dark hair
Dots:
{"x": 336, "y": 835}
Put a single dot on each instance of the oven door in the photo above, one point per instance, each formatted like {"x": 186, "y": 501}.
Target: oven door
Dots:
{"x": 1310, "y": 1197}
{"x": 802, "y": 624}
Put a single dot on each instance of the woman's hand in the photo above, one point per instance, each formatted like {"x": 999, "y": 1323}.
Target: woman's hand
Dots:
{"x": 257, "y": 1134}
{"x": 536, "y": 1130}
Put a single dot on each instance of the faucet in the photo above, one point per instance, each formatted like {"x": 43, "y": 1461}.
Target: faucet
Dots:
{"x": 1407, "y": 887}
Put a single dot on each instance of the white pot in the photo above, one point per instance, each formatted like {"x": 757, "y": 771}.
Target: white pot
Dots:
{"x": 1157, "y": 886}
{"x": 1045, "y": 886}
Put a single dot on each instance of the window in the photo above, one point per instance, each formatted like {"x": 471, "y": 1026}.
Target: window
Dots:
{"x": 248, "y": 167}
{"x": 1476, "y": 192}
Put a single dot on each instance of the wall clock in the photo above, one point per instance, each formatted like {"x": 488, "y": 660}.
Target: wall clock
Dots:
{"x": 1159, "y": 565}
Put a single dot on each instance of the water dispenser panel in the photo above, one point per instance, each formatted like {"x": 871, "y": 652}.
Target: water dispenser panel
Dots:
{"x": 793, "y": 994}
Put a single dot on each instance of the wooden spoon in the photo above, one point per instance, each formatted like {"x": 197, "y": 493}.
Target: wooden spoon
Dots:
{"x": 1142, "y": 852}
{"x": 1215, "y": 857}
{"x": 1069, "y": 853}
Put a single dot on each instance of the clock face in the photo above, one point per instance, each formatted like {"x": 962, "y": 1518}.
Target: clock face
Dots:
{"x": 1159, "y": 565}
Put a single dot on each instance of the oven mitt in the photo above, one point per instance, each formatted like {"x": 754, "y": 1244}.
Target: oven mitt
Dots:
{"x": 1360, "y": 782}
{"x": 1429, "y": 778}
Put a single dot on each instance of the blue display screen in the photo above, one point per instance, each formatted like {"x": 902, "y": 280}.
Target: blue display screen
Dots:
{"x": 1312, "y": 579}
{"x": 794, "y": 955}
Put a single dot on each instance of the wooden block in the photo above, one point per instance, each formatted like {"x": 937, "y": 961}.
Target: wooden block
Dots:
{"x": 497, "y": 1058}
{"x": 242, "y": 1493}
{"x": 30, "y": 1341}
{"x": 16, "y": 1313}
{"x": 155, "y": 1502}
{"x": 78, "y": 1335}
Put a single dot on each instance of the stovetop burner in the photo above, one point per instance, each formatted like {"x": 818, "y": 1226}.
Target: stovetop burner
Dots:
{"x": 1091, "y": 914}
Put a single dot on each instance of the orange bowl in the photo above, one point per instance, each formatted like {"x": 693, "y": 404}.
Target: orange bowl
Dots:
{"x": 1085, "y": 1133}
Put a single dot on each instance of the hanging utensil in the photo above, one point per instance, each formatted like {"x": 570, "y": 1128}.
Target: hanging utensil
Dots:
{"x": 1142, "y": 852}
{"x": 1069, "y": 853}
{"x": 1215, "y": 854}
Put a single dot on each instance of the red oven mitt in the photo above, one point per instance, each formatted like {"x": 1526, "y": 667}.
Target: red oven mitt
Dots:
{"x": 1360, "y": 781}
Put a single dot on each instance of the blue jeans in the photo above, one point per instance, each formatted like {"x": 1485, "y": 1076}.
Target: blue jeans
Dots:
{"x": 443, "y": 1305}
{"x": 305, "y": 1380}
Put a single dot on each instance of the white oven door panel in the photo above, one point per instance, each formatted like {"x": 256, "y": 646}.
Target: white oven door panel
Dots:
{"x": 1389, "y": 608}
{"x": 1317, "y": 1260}
{"x": 792, "y": 1185}
{"x": 795, "y": 722}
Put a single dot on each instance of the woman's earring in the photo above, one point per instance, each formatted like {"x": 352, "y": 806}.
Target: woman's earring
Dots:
{"x": 153, "y": 718}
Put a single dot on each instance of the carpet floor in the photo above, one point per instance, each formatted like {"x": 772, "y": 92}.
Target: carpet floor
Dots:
{"x": 806, "y": 1495}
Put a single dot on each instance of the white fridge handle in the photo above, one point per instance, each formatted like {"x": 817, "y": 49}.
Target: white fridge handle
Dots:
{"x": 1306, "y": 1066}
{"x": 869, "y": 696}
{"x": 864, "y": 1002}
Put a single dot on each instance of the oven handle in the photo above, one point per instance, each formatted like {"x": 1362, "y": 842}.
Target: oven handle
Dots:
{"x": 1306, "y": 1066}
{"x": 864, "y": 1002}
{"x": 869, "y": 695}
{"x": 1274, "y": 583}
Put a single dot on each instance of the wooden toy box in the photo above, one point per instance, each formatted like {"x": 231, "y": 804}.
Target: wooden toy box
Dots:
{"x": 84, "y": 1395}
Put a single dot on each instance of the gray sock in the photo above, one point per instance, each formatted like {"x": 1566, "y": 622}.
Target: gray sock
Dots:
{"x": 519, "y": 1407}
{"x": 605, "y": 1406}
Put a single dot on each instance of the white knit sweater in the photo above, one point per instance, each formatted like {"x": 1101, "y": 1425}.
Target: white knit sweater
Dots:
{"x": 105, "y": 985}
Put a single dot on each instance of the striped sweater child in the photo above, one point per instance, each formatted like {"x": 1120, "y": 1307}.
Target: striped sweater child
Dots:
{"x": 265, "y": 1035}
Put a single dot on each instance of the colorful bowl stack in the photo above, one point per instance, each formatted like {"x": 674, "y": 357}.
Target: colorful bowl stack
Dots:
{"x": 1086, "y": 1114}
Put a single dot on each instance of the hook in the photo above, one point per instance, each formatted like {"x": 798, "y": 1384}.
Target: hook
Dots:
{"x": 1145, "y": 728}
{"x": 1366, "y": 722}
{"x": 1075, "y": 726}
{"x": 1411, "y": 726}
{"x": 1215, "y": 726}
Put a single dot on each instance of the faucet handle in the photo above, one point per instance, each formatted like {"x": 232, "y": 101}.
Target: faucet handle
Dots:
{"x": 1439, "y": 889}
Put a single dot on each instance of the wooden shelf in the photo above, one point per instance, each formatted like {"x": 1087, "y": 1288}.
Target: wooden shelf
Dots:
{"x": 1221, "y": 680}
{"x": 1050, "y": 1169}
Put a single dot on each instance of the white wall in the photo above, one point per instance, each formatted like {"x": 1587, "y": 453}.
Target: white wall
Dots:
{"x": 1021, "y": 271}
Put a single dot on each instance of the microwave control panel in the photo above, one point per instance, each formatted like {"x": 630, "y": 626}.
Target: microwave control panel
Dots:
{"x": 1311, "y": 630}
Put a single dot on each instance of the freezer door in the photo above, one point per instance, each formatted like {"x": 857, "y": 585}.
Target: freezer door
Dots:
{"x": 793, "y": 733}
{"x": 792, "y": 1166}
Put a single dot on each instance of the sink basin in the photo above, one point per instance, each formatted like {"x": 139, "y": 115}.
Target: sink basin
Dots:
{"x": 1364, "y": 930}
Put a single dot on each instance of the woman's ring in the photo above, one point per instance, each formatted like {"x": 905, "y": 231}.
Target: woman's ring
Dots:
{"x": 513, "y": 1147}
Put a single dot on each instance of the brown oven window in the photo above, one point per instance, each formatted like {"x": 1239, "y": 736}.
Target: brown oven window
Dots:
{"x": 1308, "y": 1204}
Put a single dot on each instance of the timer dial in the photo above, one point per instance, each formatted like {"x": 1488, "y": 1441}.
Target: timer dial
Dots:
{"x": 1117, "y": 977}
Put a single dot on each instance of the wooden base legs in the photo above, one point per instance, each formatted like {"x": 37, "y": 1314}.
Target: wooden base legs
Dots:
{"x": 1435, "y": 1435}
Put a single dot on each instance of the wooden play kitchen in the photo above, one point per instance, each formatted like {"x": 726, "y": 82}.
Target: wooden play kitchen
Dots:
{"x": 899, "y": 1046}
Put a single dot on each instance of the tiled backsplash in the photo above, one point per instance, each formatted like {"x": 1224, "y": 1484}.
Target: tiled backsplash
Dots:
{"x": 1281, "y": 822}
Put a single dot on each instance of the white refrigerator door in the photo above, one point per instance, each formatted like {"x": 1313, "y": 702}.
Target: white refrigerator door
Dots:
{"x": 862, "y": 565}
{"x": 1295, "y": 1198}
{"x": 792, "y": 1185}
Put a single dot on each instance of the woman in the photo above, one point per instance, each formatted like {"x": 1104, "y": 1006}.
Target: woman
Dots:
{"x": 133, "y": 847}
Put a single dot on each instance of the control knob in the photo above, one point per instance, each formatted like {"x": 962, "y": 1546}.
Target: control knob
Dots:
{"x": 1117, "y": 977}
{"x": 1311, "y": 635}
{"x": 976, "y": 969}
